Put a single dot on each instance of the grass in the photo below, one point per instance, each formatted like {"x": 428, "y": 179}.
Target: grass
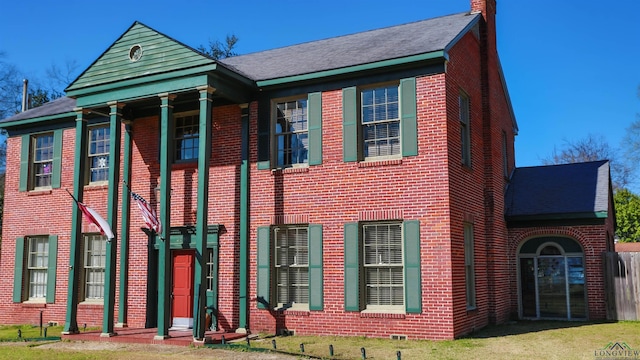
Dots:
{"x": 22, "y": 332}
{"x": 521, "y": 340}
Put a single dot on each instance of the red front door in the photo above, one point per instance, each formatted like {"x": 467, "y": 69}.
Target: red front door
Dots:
{"x": 182, "y": 287}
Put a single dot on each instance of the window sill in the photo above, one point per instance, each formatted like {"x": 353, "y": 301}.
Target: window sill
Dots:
{"x": 380, "y": 162}
{"x": 38, "y": 192}
{"x": 472, "y": 310}
{"x": 35, "y": 304}
{"x": 381, "y": 315}
{"x": 96, "y": 186}
{"x": 185, "y": 164}
{"x": 290, "y": 170}
{"x": 296, "y": 312}
{"x": 91, "y": 304}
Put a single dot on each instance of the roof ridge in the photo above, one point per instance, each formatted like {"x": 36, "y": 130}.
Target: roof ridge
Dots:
{"x": 351, "y": 34}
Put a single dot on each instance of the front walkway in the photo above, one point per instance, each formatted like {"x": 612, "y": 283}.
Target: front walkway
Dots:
{"x": 146, "y": 336}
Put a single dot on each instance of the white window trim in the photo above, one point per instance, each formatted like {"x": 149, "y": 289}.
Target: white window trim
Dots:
{"x": 32, "y": 161}
{"x": 175, "y": 140}
{"x": 274, "y": 136}
{"x": 392, "y": 309}
{"x": 293, "y": 305}
{"x": 89, "y": 156}
{"x": 361, "y": 125}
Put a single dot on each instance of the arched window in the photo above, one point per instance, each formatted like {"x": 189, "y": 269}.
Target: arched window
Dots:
{"x": 551, "y": 279}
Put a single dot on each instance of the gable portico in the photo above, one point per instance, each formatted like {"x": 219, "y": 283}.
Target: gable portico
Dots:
{"x": 145, "y": 73}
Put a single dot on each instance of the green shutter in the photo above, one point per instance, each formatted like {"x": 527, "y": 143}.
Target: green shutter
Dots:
{"x": 350, "y": 124}
{"x": 314, "y": 108}
{"x": 264, "y": 132}
{"x": 264, "y": 267}
{"x": 351, "y": 268}
{"x": 413, "y": 283}
{"x": 18, "y": 270}
{"x": 24, "y": 163}
{"x": 57, "y": 159}
{"x": 51, "y": 269}
{"x": 408, "y": 123}
{"x": 315, "y": 268}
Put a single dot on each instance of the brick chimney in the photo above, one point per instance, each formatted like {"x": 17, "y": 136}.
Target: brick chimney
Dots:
{"x": 488, "y": 10}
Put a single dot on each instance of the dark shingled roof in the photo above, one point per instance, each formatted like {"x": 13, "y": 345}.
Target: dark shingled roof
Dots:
{"x": 58, "y": 106}
{"x": 393, "y": 42}
{"x": 579, "y": 190}
{"x": 389, "y": 43}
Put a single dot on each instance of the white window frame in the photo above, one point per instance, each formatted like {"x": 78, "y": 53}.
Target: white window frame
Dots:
{"x": 91, "y": 267}
{"x": 298, "y": 118}
{"x": 37, "y": 267}
{"x": 211, "y": 276}
{"x": 392, "y": 266}
{"x": 369, "y": 119}
{"x": 38, "y": 161}
{"x": 103, "y": 164}
{"x": 296, "y": 262}
{"x": 190, "y": 134}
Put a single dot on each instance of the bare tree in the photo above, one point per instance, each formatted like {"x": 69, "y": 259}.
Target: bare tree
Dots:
{"x": 218, "y": 50}
{"x": 60, "y": 77}
{"x": 10, "y": 88}
{"x": 593, "y": 148}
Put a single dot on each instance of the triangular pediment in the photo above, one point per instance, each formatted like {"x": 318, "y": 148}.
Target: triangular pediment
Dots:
{"x": 139, "y": 52}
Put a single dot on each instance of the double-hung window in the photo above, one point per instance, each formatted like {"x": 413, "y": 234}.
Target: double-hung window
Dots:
{"x": 291, "y": 136}
{"x": 35, "y": 268}
{"x": 40, "y": 161}
{"x": 380, "y": 121}
{"x": 382, "y": 267}
{"x": 42, "y": 154}
{"x": 292, "y": 266}
{"x": 37, "y": 264}
{"x": 99, "y": 154}
{"x": 95, "y": 254}
{"x": 187, "y": 136}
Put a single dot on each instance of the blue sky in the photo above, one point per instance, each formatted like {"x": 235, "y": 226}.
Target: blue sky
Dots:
{"x": 572, "y": 67}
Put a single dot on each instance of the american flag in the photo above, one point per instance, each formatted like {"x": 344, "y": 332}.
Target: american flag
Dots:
{"x": 148, "y": 213}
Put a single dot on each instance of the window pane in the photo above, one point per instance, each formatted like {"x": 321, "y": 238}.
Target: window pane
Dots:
{"x": 99, "y": 153}
{"x": 380, "y": 120}
{"x": 383, "y": 261}
{"x": 94, "y": 265}
{"x": 210, "y": 271}
{"x": 291, "y": 137}
{"x": 292, "y": 260}
{"x": 187, "y": 133}
{"x": 37, "y": 264}
{"x": 42, "y": 158}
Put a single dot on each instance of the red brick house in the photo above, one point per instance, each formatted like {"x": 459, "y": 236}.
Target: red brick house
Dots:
{"x": 366, "y": 180}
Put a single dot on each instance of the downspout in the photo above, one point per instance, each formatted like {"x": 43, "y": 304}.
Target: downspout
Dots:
{"x": 243, "y": 324}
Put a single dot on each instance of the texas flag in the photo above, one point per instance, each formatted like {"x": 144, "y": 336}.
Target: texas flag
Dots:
{"x": 93, "y": 217}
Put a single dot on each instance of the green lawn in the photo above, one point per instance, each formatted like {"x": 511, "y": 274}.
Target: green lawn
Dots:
{"x": 521, "y": 340}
